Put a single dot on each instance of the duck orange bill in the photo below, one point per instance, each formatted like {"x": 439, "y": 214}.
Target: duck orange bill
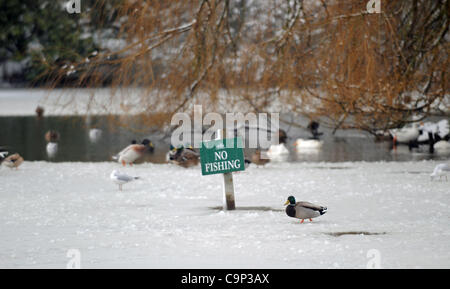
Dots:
{"x": 287, "y": 203}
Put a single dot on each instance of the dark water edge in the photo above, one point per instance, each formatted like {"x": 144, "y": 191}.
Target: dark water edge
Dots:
{"x": 25, "y": 135}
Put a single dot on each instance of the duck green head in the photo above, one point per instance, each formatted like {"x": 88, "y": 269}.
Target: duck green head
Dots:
{"x": 290, "y": 201}
{"x": 174, "y": 149}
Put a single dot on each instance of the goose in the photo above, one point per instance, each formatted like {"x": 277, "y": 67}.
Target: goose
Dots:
{"x": 121, "y": 179}
{"x": 133, "y": 152}
{"x": 258, "y": 159}
{"x": 303, "y": 210}
{"x": 183, "y": 157}
{"x": 440, "y": 170}
{"x": 13, "y": 161}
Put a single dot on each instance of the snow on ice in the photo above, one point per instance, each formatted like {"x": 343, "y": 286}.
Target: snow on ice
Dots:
{"x": 171, "y": 217}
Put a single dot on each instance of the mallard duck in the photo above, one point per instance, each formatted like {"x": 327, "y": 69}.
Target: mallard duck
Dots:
{"x": 149, "y": 144}
{"x": 121, "y": 179}
{"x": 133, "y": 152}
{"x": 13, "y": 161}
{"x": 184, "y": 157}
{"x": 440, "y": 170}
{"x": 52, "y": 136}
{"x": 303, "y": 210}
{"x": 258, "y": 160}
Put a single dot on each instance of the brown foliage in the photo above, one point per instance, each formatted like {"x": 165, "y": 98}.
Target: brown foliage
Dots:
{"x": 327, "y": 59}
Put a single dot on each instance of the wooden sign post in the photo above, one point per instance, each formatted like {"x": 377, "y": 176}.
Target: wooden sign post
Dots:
{"x": 218, "y": 158}
{"x": 228, "y": 191}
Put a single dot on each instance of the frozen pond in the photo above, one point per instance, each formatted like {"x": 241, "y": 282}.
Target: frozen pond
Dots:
{"x": 389, "y": 213}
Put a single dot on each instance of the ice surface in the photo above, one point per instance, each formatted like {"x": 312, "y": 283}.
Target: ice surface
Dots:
{"x": 169, "y": 217}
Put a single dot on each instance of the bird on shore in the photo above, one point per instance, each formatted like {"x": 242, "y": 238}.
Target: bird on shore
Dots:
{"x": 133, "y": 152}
{"x": 183, "y": 156}
{"x": 121, "y": 178}
{"x": 440, "y": 170}
{"x": 13, "y": 161}
{"x": 303, "y": 210}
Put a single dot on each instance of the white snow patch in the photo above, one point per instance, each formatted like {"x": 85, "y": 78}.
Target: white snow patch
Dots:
{"x": 166, "y": 220}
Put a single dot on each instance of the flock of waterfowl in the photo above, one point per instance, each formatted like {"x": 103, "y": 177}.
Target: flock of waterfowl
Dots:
{"x": 186, "y": 156}
{"x": 427, "y": 137}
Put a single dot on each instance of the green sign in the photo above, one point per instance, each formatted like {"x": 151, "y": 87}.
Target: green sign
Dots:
{"x": 222, "y": 156}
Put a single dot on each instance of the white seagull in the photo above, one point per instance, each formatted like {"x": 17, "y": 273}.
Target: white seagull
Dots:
{"x": 440, "y": 170}
{"x": 120, "y": 178}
